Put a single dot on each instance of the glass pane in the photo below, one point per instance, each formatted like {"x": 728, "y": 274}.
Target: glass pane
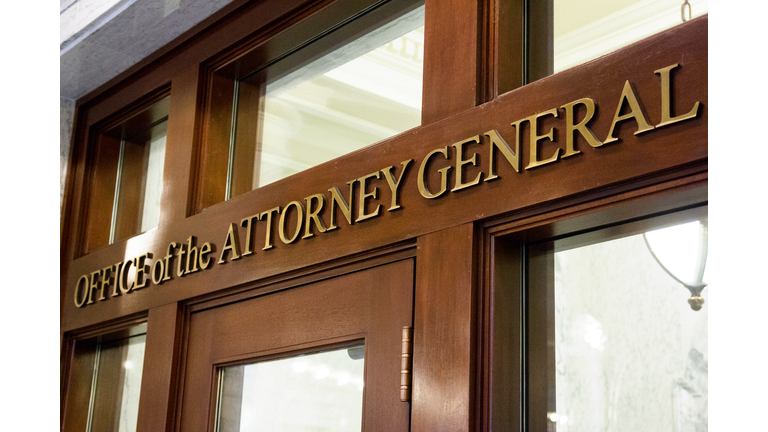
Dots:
{"x": 584, "y": 30}
{"x": 318, "y": 392}
{"x": 630, "y": 353}
{"x": 140, "y": 182}
{"x": 115, "y": 390}
{"x": 358, "y": 94}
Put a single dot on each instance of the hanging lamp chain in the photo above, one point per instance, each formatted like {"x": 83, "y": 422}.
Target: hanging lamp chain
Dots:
{"x": 682, "y": 11}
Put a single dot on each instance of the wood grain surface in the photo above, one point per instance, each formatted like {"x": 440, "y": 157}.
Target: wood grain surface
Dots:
{"x": 595, "y": 172}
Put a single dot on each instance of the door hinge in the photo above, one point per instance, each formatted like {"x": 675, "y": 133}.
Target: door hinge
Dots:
{"x": 406, "y": 363}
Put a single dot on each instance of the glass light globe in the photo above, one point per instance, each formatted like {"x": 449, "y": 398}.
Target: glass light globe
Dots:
{"x": 681, "y": 251}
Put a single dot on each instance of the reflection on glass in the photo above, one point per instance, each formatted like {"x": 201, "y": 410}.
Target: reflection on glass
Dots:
{"x": 139, "y": 182}
{"x": 585, "y": 30}
{"x": 118, "y": 364}
{"x": 361, "y": 93}
{"x": 630, "y": 354}
{"x": 318, "y": 392}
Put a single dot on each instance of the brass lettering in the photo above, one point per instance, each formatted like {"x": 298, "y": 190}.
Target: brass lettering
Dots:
{"x": 116, "y": 272}
{"x": 83, "y": 278}
{"x": 533, "y": 157}
{"x": 205, "y": 249}
{"x": 312, "y": 215}
{"x": 106, "y": 279}
{"x": 571, "y": 129}
{"x": 460, "y": 162}
{"x": 180, "y": 262}
{"x": 191, "y": 256}
{"x": 248, "y": 224}
{"x": 666, "y": 99}
{"x": 124, "y": 275}
{"x": 394, "y": 184}
{"x": 94, "y": 284}
{"x": 142, "y": 268}
{"x": 232, "y": 244}
{"x": 157, "y": 279}
{"x": 268, "y": 237}
{"x": 636, "y": 112}
{"x": 168, "y": 257}
{"x": 299, "y": 221}
{"x": 338, "y": 201}
{"x": 422, "y": 181}
{"x": 497, "y": 142}
{"x": 361, "y": 215}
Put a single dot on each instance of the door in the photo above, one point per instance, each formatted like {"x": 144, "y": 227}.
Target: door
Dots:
{"x": 336, "y": 316}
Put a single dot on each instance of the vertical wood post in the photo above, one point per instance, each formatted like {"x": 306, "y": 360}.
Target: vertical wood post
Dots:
{"x": 504, "y": 341}
{"x": 443, "y": 352}
{"x": 158, "y": 379}
{"x": 179, "y": 147}
{"x": 450, "y": 58}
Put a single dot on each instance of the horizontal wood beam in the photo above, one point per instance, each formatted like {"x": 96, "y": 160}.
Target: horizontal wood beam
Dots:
{"x": 632, "y": 162}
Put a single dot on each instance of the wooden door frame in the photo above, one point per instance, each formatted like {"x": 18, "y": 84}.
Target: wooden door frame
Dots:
{"x": 450, "y": 237}
{"x": 505, "y": 385}
{"x": 372, "y": 323}
{"x": 168, "y": 328}
{"x": 648, "y": 158}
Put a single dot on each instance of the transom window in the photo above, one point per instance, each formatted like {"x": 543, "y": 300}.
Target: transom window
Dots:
{"x": 357, "y": 84}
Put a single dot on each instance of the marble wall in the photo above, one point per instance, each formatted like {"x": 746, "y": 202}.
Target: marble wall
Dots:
{"x": 102, "y": 38}
{"x": 66, "y": 115}
{"x": 75, "y": 15}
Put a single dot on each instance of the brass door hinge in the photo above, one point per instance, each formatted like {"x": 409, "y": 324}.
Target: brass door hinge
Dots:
{"x": 406, "y": 363}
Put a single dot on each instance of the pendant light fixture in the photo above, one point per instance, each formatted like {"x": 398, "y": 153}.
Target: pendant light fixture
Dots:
{"x": 681, "y": 251}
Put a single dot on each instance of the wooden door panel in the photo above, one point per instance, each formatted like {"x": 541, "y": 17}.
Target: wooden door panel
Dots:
{"x": 371, "y": 305}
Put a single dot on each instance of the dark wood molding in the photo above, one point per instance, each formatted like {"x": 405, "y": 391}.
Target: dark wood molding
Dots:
{"x": 635, "y": 162}
{"x": 505, "y": 379}
{"x": 362, "y": 305}
{"x": 346, "y": 265}
{"x": 180, "y": 170}
{"x": 451, "y": 58}
{"x": 447, "y": 259}
{"x": 157, "y": 406}
{"x": 444, "y": 331}
{"x": 502, "y": 48}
